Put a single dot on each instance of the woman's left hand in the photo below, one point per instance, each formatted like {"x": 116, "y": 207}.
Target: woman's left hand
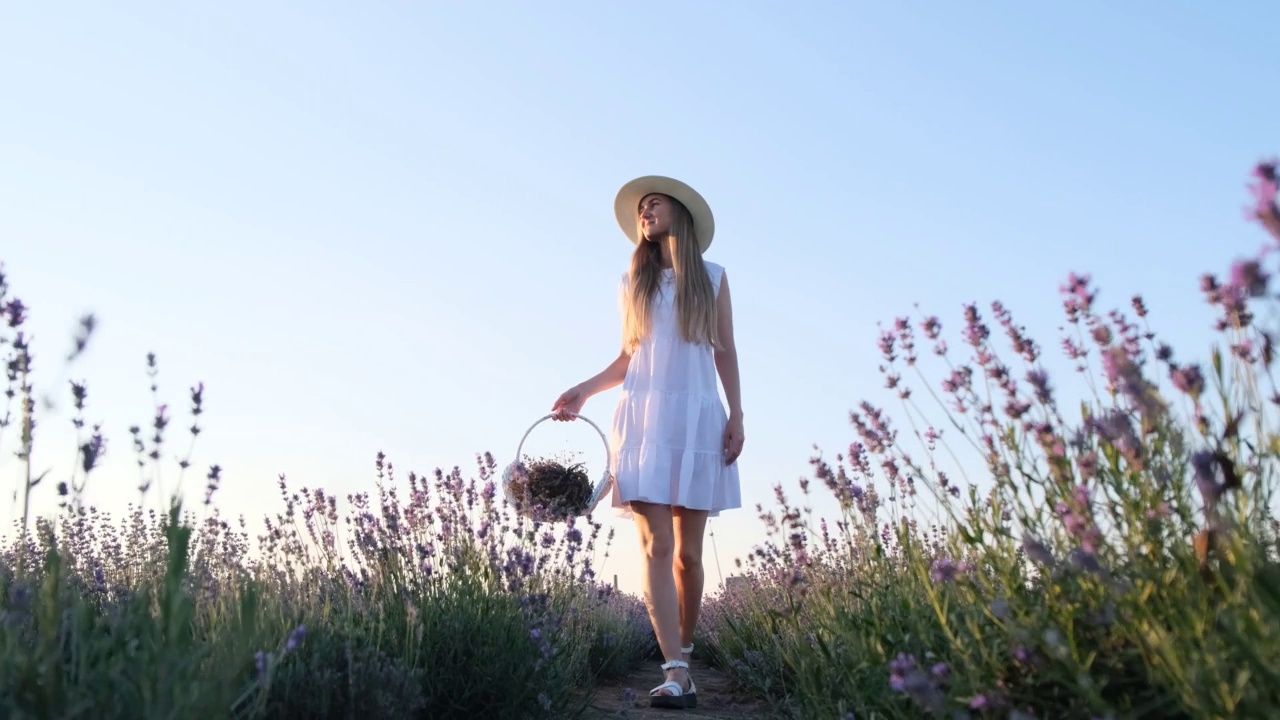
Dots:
{"x": 733, "y": 438}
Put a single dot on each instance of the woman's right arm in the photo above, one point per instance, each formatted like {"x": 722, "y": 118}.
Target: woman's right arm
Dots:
{"x": 616, "y": 371}
{"x": 611, "y": 377}
{"x": 572, "y": 400}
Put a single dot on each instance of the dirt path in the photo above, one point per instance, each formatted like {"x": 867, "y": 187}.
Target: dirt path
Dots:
{"x": 717, "y": 697}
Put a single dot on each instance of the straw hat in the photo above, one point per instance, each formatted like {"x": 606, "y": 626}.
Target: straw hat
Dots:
{"x": 627, "y": 205}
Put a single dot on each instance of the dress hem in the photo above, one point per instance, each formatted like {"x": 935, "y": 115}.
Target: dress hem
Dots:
{"x": 625, "y": 512}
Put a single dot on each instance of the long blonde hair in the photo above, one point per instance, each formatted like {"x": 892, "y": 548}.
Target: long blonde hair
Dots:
{"x": 695, "y": 298}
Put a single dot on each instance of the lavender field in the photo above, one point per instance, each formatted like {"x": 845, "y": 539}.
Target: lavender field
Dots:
{"x": 435, "y": 600}
{"x": 1118, "y": 558}
{"x": 1122, "y": 563}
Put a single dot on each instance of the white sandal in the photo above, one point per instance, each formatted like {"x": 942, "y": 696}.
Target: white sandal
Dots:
{"x": 693, "y": 690}
{"x": 678, "y": 697}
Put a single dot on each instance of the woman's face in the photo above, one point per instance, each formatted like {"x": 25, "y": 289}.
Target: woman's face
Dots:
{"x": 655, "y": 216}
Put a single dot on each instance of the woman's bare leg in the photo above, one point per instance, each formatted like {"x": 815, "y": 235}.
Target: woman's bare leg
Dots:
{"x": 657, "y": 542}
{"x": 689, "y": 576}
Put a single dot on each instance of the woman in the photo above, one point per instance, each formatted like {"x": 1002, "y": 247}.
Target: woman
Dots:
{"x": 674, "y": 448}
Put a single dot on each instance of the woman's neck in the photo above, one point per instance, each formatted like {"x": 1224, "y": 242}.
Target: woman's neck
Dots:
{"x": 664, "y": 256}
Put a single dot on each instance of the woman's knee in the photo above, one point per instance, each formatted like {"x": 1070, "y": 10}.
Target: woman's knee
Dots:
{"x": 688, "y": 557}
{"x": 657, "y": 546}
{"x": 656, "y": 536}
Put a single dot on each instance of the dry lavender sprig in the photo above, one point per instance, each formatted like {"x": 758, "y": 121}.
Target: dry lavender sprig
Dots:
{"x": 158, "y": 424}
{"x": 85, "y": 328}
{"x": 1264, "y": 192}
{"x": 88, "y": 451}
{"x": 22, "y": 370}
{"x": 197, "y": 408}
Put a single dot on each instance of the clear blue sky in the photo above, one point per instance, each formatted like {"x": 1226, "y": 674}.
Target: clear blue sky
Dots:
{"x": 283, "y": 200}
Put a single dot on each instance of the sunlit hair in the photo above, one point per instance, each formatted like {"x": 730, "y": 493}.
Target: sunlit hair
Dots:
{"x": 694, "y": 298}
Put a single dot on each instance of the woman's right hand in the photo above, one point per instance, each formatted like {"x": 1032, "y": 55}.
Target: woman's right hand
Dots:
{"x": 569, "y": 404}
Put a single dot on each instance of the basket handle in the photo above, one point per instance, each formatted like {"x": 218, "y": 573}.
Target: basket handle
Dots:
{"x": 598, "y": 488}
{"x": 520, "y": 447}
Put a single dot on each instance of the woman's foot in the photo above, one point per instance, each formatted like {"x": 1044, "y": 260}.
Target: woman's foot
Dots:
{"x": 681, "y": 676}
{"x": 678, "y": 691}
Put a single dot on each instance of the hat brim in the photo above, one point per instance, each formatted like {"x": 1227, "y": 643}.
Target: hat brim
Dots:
{"x": 626, "y": 206}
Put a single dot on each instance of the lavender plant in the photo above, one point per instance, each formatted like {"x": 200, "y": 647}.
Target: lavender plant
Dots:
{"x": 1119, "y": 560}
{"x": 440, "y": 603}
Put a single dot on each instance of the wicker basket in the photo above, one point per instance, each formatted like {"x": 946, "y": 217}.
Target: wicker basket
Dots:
{"x": 516, "y": 467}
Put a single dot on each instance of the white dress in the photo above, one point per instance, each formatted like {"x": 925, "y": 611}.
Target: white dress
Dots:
{"x": 667, "y": 440}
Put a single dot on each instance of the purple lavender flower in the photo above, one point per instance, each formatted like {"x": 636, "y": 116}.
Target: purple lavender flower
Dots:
{"x": 898, "y": 669}
{"x": 1249, "y": 277}
{"x": 14, "y": 312}
{"x": 1116, "y": 428}
{"x": 1126, "y": 377}
{"x": 1204, "y": 465}
{"x": 1087, "y": 464}
{"x": 906, "y": 677}
{"x": 295, "y": 638}
{"x": 975, "y": 331}
{"x": 1085, "y": 559}
{"x": 1188, "y": 379}
{"x": 1101, "y": 335}
{"x": 1073, "y": 350}
{"x": 886, "y": 346}
{"x": 1264, "y": 190}
{"x": 1037, "y": 551}
{"x": 1039, "y": 380}
{"x": 1079, "y": 299}
{"x": 959, "y": 380}
{"x": 944, "y": 570}
{"x": 1022, "y": 654}
{"x": 1264, "y": 209}
{"x": 1077, "y": 516}
{"x": 932, "y": 327}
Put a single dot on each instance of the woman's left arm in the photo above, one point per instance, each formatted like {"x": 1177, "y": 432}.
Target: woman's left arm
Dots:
{"x": 727, "y": 365}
